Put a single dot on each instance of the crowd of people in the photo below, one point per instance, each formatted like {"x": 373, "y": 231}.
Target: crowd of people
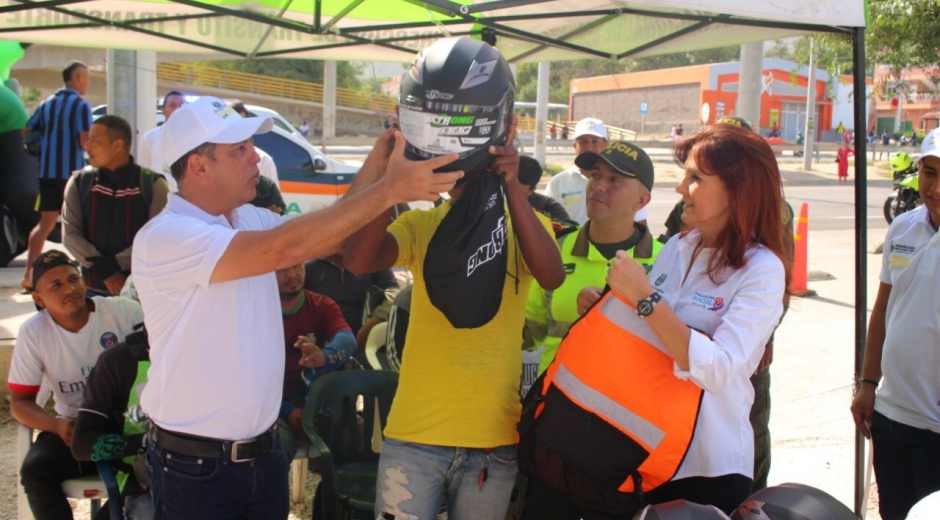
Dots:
{"x": 182, "y": 329}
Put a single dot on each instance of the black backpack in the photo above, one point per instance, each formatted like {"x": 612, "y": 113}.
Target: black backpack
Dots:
{"x": 465, "y": 266}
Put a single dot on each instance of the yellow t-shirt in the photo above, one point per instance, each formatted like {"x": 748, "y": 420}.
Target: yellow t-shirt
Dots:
{"x": 458, "y": 387}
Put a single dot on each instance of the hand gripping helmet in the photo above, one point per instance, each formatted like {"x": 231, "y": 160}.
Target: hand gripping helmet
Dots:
{"x": 900, "y": 162}
{"x": 457, "y": 97}
{"x": 792, "y": 502}
{"x": 680, "y": 510}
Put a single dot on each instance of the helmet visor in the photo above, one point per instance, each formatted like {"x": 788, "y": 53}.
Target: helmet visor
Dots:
{"x": 435, "y": 128}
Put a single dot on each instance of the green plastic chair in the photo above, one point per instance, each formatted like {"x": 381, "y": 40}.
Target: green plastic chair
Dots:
{"x": 347, "y": 432}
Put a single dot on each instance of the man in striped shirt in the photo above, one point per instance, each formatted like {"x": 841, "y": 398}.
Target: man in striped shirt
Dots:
{"x": 64, "y": 120}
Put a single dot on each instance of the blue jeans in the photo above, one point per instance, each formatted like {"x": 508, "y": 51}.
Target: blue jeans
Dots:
{"x": 413, "y": 479}
{"x": 185, "y": 487}
{"x": 907, "y": 465}
{"x": 138, "y": 507}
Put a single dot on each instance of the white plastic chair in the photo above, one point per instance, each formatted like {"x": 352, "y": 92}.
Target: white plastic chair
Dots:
{"x": 374, "y": 342}
{"x": 89, "y": 486}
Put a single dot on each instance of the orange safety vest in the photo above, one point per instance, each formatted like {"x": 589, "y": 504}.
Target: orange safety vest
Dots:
{"x": 609, "y": 411}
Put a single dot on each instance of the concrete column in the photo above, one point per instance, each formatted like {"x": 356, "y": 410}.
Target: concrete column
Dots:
{"x": 902, "y": 97}
{"x": 749, "y": 82}
{"x": 329, "y": 99}
{"x": 541, "y": 112}
{"x": 132, "y": 89}
{"x": 810, "y": 130}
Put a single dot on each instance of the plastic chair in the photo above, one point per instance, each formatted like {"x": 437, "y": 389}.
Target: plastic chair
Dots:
{"x": 106, "y": 472}
{"x": 343, "y": 418}
{"x": 89, "y": 486}
{"x": 374, "y": 342}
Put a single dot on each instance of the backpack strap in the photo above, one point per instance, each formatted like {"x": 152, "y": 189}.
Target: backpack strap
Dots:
{"x": 86, "y": 179}
{"x": 147, "y": 178}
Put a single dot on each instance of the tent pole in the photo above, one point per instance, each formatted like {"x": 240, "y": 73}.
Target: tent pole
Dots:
{"x": 541, "y": 112}
{"x": 859, "y": 98}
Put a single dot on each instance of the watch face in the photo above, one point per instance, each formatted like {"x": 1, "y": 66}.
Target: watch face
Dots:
{"x": 644, "y": 308}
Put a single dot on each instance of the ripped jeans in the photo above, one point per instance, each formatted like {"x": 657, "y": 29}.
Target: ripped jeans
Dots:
{"x": 413, "y": 480}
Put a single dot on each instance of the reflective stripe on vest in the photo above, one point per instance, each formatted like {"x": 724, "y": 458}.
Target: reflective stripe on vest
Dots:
{"x": 612, "y": 365}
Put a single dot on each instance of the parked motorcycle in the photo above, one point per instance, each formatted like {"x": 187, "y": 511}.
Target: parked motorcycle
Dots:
{"x": 906, "y": 197}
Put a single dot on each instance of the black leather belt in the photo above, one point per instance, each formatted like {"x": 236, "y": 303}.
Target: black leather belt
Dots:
{"x": 193, "y": 446}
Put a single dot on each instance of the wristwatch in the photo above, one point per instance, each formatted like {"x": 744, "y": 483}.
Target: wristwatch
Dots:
{"x": 645, "y": 306}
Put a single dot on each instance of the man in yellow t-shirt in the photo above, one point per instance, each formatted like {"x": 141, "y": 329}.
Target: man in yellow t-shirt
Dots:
{"x": 451, "y": 433}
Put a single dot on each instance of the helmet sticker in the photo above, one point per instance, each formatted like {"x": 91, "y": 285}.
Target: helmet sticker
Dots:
{"x": 437, "y": 94}
{"x": 478, "y": 74}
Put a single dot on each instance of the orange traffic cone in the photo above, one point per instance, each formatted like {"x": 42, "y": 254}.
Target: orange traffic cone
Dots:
{"x": 800, "y": 267}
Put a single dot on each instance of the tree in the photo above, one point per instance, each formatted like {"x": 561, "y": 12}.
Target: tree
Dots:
{"x": 902, "y": 34}
{"x": 296, "y": 69}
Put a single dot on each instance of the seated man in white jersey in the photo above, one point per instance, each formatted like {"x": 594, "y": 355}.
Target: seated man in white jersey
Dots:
{"x": 149, "y": 152}
{"x": 60, "y": 345}
{"x": 569, "y": 187}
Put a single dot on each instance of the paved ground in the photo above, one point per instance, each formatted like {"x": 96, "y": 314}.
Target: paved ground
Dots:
{"x": 813, "y": 434}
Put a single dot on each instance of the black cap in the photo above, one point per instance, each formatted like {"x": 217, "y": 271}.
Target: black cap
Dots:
{"x": 735, "y": 121}
{"x": 50, "y": 260}
{"x": 626, "y": 159}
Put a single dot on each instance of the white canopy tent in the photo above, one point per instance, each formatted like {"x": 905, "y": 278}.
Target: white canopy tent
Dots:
{"x": 393, "y": 30}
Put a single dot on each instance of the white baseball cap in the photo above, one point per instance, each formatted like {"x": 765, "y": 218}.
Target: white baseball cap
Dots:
{"x": 207, "y": 120}
{"x": 590, "y": 126}
{"x": 931, "y": 144}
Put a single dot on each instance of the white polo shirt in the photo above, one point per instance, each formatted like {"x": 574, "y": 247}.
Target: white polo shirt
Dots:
{"x": 569, "y": 188}
{"x": 150, "y": 156}
{"x": 739, "y": 315}
{"x": 217, "y": 350}
{"x": 910, "y": 360}
{"x": 44, "y": 350}
{"x": 906, "y": 236}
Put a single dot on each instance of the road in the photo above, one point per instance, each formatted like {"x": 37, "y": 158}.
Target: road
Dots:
{"x": 830, "y": 207}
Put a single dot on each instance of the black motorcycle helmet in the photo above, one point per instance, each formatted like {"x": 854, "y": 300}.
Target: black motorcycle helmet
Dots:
{"x": 792, "y": 502}
{"x": 680, "y": 510}
{"x": 457, "y": 97}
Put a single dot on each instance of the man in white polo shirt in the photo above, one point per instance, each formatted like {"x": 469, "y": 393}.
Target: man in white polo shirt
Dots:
{"x": 204, "y": 272}
{"x": 569, "y": 187}
{"x": 903, "y": 417}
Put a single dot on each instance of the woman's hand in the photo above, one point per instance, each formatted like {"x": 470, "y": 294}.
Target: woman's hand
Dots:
{"x": 628, "y": 278}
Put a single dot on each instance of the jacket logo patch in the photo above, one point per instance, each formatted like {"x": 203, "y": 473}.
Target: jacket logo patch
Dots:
{"x": 711, "y": 303}
{"x": 569, "y": 268}
{"x": 659, "y": 281}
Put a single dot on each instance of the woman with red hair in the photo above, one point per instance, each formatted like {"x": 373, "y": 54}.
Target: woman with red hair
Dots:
{"x": 713, "y": 297}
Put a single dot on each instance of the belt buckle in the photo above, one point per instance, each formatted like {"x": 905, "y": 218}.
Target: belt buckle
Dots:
{"x": 235, "y": 445}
